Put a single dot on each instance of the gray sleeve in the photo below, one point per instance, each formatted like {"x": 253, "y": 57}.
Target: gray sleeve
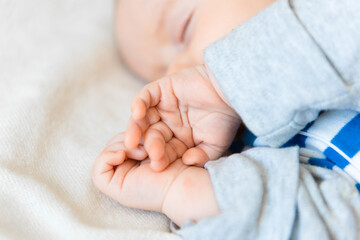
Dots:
{"x": 292, "y": 60}
{"x": 264, "y": 193}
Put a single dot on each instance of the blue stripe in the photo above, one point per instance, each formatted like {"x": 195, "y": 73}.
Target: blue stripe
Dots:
{"x": 249, "y": 138}
{"x": 348, "y": 138}
{"x": 321, "y": 162}
{"x": 290, "y": 143}
{"x": 336, "y": 158}
{"x": 298, "y": 140}
{"x": 236, "y": 146}
{"x": 357, "y": 185}
{"x": 308, "y": 126}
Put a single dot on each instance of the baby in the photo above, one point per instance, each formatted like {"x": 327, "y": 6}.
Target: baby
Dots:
{"x": 166, "y": 37}
{"x": 186, "y": 118}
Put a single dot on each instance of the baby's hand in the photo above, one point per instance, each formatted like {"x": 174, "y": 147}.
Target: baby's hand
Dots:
{"x": 120, "y": 174}
{"x": 181, "y": 115}
{"x": 181, "y": 192}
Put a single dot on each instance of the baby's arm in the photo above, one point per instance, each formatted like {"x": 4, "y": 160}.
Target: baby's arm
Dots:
{"x": 181, "y": 192}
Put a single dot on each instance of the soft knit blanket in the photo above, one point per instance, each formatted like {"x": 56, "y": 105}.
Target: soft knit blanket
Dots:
{"x": 63, "y": 94}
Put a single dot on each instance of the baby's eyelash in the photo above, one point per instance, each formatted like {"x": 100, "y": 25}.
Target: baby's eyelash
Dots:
{"x": 185, "y": 32}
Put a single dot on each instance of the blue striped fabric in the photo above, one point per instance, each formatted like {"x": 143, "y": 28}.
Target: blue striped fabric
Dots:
{"x": 336, "y": 158}
{"x": 321, "y": 162}
{"x": 348, "y": 139}
{"x": 336, "y": 136}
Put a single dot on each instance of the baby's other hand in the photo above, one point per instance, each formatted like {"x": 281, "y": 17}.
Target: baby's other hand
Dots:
{"x": 125, "y": 175}
{"x": 182, "y": 115}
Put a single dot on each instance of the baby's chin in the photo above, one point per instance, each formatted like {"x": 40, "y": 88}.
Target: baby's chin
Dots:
{"x": 147, "y": 76}
{"x": 139, "y": 69}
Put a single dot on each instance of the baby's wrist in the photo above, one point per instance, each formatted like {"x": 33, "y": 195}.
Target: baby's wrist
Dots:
{"x": 204, "y": 70}
{"x": 191, "y": 197}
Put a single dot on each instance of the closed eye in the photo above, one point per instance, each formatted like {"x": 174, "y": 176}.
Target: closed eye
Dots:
{"x": 186, "y": 33}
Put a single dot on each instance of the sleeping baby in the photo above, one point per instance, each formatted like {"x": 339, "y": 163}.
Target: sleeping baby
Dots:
{"x": 214, "y": 65}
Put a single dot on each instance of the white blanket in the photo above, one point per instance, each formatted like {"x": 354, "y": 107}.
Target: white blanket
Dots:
{"x": 63, "y": 94}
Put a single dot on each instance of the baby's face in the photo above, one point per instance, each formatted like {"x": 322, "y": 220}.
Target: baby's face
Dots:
{"x": 158, "y": 37}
